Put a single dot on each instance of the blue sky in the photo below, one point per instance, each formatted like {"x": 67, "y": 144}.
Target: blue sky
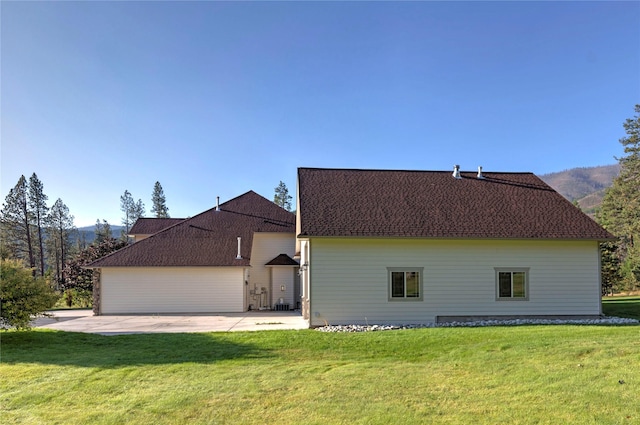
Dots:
{"x": 218, "y": 98}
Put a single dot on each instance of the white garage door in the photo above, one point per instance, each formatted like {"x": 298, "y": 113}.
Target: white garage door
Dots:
{"x": 172, "y": 290}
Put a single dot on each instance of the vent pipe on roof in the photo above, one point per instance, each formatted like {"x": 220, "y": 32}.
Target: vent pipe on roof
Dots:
{"x": 456, "y": 172}
{"x": 239, "y": 257}
{"x": 217, "y": 203}
{"x": 480, "y": 176}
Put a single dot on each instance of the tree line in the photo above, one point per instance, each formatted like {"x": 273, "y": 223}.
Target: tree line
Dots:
{"x": 44, "y": 238}
{"x": 32, "y": 231}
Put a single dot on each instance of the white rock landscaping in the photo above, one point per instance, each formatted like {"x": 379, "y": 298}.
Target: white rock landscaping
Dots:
{"x": 512, "y": 322}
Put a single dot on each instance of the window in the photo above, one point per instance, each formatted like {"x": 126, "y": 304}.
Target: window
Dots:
{"x": 405, "y": 283}
{"x": 512, "y": 284}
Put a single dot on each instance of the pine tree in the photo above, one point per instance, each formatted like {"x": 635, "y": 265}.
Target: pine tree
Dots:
{"x": 620, "y": 210}
{"x": 132, "y": 211}
{"x": 282, "y": 197}
{"x": 159, "y": 208}
{"x": 38, "y": 209}
{"x": 80, "y": 278}
{"x": 102, "y": 232}
{"x": 138, "y": 210}
{"x": 16, "y": 223}
{"x": 59, "y": 230}
{"x": 127, "y": 204}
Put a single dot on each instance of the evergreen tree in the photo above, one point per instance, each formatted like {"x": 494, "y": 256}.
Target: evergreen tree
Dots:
{"x": 138, "y": 211}
{"x": 282, "y": 197}
{"x": 132, "y": 211}
{"x": 59, "y": 230}
{"x": 127, "y": 204}
{"x": 159, "y": 208}
{"x": 102, "y": 232}
{"x": 81, "y": 241}
{"x": 80, "y": 278}
{"x": 16, "y": 223}
{"x": 38, "y": 209}
{"x": 620, "y": 210}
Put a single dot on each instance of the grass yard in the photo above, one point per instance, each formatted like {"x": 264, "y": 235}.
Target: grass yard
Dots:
{"x": 496, "y": 375}
{"x": 622, "y": 306}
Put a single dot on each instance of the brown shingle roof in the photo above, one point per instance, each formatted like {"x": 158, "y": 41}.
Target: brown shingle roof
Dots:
{"x": 283, "y": 260}
{"x": 149, "y": 226}
{"x": 433, "y": 204}
{"x": 207, "y": 239}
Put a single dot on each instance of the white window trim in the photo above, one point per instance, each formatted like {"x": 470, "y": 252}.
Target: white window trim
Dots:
{"x": 524, "y": 270}
{"x": 420, "y": 271}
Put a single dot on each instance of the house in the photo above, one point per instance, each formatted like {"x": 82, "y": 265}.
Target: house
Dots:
{"x": 231, "y": 258}
{"x": 388, "y": 246}
{"x": 374, "y": 246}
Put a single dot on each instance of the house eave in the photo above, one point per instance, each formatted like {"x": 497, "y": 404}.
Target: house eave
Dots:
{"x": 164, "y": 265}
{"x": 456, "y": 238}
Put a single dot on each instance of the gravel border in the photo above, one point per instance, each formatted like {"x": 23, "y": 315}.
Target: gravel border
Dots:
{"x": 512, "y": 322}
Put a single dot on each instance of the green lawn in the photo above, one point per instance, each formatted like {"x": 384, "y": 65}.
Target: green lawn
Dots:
{"x": 497, "y": 375}
{"x": 622, "y": 306}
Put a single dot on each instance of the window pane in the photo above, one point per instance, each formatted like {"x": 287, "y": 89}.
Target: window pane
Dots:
{"x": 518, "y": 284}
{"x": 504, "y": 284}
{"x": 413, "y": 284}
{"x": 397, "y": 284}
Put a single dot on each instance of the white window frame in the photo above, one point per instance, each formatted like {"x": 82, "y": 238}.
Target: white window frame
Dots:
{"x": 391, "y": 270}
{"x": 512, "y": 270}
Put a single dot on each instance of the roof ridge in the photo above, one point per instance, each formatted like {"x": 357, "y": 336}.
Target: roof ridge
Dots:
{"x": 145, "y": 241}
{"x": 178, "y": 245}
{"x": 411, "y": 171}
{"x": 240, "y": 196}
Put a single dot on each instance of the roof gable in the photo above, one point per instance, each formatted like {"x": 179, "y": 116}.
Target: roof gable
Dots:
{"x": 282, "y": 260}
{"x": 207, "y": 239}
{"x": 434, "y": 204}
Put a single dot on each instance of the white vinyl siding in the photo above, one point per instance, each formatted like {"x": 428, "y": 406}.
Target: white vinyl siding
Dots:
{"x": 305, "y": 279}
{"x": 350, "y": 278}
{"x": 267, "y": 246}
{"x": 172, "y": 290}
{"x": 282, "y": 277}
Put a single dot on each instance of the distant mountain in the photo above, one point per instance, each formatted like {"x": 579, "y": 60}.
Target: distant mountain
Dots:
{"x": 586, "y": 186}
{"x": 89, "y": 232}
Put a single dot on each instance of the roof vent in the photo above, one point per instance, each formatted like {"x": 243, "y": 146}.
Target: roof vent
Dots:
{"x": 456, "y": 172}
{"x": 217, "y": 203}
{"x": 480, "y": 176}
{"x": 239, "y": 257}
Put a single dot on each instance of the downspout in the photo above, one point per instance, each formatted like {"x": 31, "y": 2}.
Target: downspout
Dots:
{"x": 308, "y": 262}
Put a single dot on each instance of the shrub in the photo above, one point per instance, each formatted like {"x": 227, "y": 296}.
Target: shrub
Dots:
{"x": 22, "y": 296}
{"x": 75, "y": 298}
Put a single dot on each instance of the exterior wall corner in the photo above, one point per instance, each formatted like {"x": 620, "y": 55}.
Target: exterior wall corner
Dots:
{"x": 96, "y": 292}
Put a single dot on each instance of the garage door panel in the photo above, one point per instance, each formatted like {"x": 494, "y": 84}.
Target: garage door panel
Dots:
{"x": 172, "y": 290}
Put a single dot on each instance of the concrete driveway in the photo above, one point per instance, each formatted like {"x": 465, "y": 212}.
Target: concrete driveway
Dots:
{"x": 85, "y": 321}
